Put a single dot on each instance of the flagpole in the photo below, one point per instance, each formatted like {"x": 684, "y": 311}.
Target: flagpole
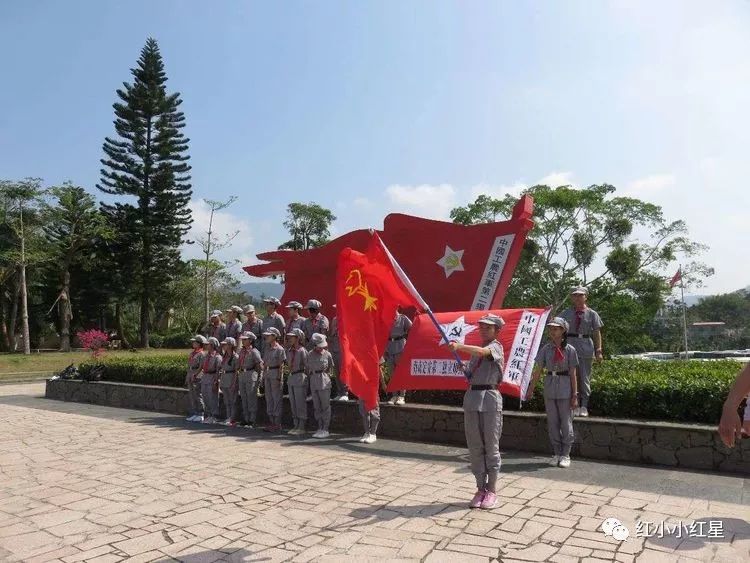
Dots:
{"x": 684, "y": 312}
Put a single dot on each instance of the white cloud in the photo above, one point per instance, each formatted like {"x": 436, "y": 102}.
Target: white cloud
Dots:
{"x": 425, "y": 200}
{"x": 499, "y": 191}
{"x": 556, "y": 179}
{"x": 650, "y": 184}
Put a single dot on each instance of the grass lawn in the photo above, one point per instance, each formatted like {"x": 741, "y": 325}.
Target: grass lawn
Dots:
{"x": 19, "y": 366}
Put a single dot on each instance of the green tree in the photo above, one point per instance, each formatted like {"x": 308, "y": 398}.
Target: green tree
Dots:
{"x": 309, "y": 225}
{"x": 73, "y": 224}
{"x": 148, "y": 162}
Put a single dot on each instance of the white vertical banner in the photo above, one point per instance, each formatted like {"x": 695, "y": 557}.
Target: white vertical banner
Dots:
{"x": 493, "y": 270}
{"x": 520, "y": 361}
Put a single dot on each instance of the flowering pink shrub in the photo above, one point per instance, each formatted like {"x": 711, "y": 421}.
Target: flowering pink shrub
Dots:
{"x": 93, "y": 340}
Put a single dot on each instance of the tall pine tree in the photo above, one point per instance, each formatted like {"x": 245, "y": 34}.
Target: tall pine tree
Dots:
{"x": 148, "y": 161}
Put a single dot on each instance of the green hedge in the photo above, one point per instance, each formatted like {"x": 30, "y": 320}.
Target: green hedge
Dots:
{"x": 676, "y": 391}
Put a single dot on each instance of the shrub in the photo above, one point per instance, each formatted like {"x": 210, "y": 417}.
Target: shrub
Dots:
{"x": 93, "y": 340}
{"x": 177, "y": 340}
{"x": 634, "y": 389}
{"x": 155, "y": 340}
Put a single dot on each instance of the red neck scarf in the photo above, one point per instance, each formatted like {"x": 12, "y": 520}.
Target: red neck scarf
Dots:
{"x": 559, "y": 354}
{"x": 579, "y": 317}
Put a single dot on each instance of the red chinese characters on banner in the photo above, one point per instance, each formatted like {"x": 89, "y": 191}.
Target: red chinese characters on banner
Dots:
{"x": 428, "y": 364}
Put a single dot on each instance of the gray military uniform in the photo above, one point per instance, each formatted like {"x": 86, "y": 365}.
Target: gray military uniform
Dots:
{"x": 580, "y": 337}
{"x": 274, "y": 320}
{"x": 219, "y": 332}
{"x": 483, "y": 416}
{"x": 234, "y": 330}
{"x": 249, "y": 364}
{"x": 228, "y": 384}
{"x": 334, "y": 346}
{"x": 557, "y": 393}
{"x": 319, "y": 366}
{"x": 195, "y": 363}
{"x": 299, "y": 323}
{"x": 256, "y": 327}
{"x": 317, "y": 324}
{"x": 396, "y": 344}
{"x": 209, "y": 383}
{"x": 273, "y": 360}
{"x": 297, "y": 384}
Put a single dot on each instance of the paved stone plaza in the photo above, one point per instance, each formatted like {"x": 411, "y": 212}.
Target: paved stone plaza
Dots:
{"x": 88, "y": 483}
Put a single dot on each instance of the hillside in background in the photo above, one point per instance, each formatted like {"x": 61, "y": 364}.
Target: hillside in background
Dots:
{"x": 261, "y": 289}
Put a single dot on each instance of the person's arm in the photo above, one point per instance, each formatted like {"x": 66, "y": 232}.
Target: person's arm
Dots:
{"x": 534, "y": 378}
{"x": 730, "y": 426}
{"x": 597, "y": 336}
{"x": 573, "y": 387}
{"x": 473, "y": 350}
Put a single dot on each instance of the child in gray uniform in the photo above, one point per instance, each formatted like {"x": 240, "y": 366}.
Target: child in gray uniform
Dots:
{"x": 250, "y": 365}
{"x": 228, "y": 380}
{"x": 210, "y": 381}
{"x": 559, "y": 360}
{"x": 335, "y": 348}
{"x": 192, "y": 379}
{"x": 297, "y": 381}
{"x": 274, "y": 357}
{"x": 371, "y": 419}
{"x": 295, "y": 319}
{"x": 319, "y": 364}
{"x": 396, "y": 344}
{"x": 483, "y": 409}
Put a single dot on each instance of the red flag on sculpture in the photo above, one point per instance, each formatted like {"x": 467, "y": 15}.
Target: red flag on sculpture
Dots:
{"x": 426, "y": 363}
{"x": 369, "y": 290}
{"x": 676, "y": 278}
{"x": 454, "y": 267}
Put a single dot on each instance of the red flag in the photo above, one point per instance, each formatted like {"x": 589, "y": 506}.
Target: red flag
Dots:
{"x": 427, "y": 364}
{"x": 676, "y": 278}
{"x": 454, "y": 267}
{"x": 369, "y": 292}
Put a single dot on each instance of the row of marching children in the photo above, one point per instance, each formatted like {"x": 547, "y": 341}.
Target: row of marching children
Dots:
{"x": 237, "y": 361}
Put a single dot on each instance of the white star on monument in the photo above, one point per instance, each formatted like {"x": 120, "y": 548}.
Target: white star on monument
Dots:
{"x": 451, "y": 261}
{"x": 457, "y": 330}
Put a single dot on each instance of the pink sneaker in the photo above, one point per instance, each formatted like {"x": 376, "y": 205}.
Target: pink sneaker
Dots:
{"x": 476, "y": 502}
{"x": 489, "y": 500}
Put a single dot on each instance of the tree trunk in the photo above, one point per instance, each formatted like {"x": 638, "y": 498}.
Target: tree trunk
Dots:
{"x": 65, "y": 308}
{"x": 24, "y": 309}
{"x": 14, "y": 315}
{"x": 5, "y": 343}
{"x": 118, "y": 326}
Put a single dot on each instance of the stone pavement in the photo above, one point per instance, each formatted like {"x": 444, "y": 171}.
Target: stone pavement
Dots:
{"x": 89, "y": 483}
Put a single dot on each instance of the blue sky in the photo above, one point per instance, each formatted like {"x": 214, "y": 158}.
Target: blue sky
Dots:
{"x": 375, "y": 107}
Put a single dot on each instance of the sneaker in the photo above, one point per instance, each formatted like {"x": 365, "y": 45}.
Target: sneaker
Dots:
{"x": 322, "y": 434}
{"x": 232, "y": 423}
{"x": 317, "y": 434}
{"x": 489, "y": 501}
{"x": 208, "y": 420}
{"x": 249, "y": 425}
{"x": 343, "y": 398}
{"x": 554, "y": 461}
{"x": 392, "y": 401}
{"x": 583, "y": 411}
{"x": 309, "y": 399}
{"x": 400, "y": 401}
{"x": 576, "y": 412}
{"x": 371, "y": 439}
{"x": 293, "y": 431}
{"x": 364, "y": 438}
{"x": 198, "y": 418}
{"x": 190, "y": 418}
{"x": 476, "y": 501}
{"x": 565, "y": 461}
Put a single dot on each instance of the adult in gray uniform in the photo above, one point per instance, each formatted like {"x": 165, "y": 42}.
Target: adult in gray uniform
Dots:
{"x": 297, "y": 380}
{"x": 216, "y": 327}
{"x": 250, "y": 366}
{"x": 396, "y": 344}
{"x": 253, "y": 324}
{"x": 295, "y": 320}
{"x": 192, "y": 378}
{"x": 274, "y": 357}
{"x": 273, "y": 319}
{"x": 228, "y": 382}
{"x": 334, "y": 347}
{"x": 586, "y": 337}
{"x": 371, "y": 419}
{"x": 483, "y": 409}
{"x": 234, "y": 324}
{"x": 317, "y": 322}
{"x": 210, "y": 381}
{"x": 559, "y": 361}
{"x": 319, "y": 365}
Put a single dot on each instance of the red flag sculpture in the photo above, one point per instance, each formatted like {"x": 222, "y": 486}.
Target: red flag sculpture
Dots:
{"x": 454, "y": 267}
{"x": 427, "y": 364}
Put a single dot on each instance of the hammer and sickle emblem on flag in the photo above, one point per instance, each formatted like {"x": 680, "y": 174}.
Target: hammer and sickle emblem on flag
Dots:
{"x": 355, "y": 285}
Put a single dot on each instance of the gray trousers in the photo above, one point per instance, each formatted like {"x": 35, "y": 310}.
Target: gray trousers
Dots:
{"x": 584, "y": 380}
{"x": 322, "y": 405}
{"x": 249, "y": 395}
{"x": 210, "y": 394}
{"x": 194, "y": 395}
{"x": 483, "y": 431}
{"x": 370, "y": 419}
{"x": 229, "y": 393}
{"x": 341, "y": 387}
{"x": 297, "y": 400}
{"x": 274, "y": 388}
{"x": 560, "y": 425}
{"x": 391, "y": 361}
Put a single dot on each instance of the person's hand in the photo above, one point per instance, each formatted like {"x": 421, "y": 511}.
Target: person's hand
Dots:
{"x": 574, "y": 402}
{"x": 453, "y": 345}
{"x": 730, "y": 426}
{"x": 599, "y": 357}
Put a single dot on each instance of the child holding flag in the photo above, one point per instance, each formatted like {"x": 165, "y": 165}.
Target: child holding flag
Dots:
{"x": 560, "y": 362}
{"x": 483, "y": 409}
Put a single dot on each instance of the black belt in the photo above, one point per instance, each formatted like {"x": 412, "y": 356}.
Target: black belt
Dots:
{"x": 245, "y": 370}
{"x": 321, "y": 371}
{"x": 274, "y": 367}
{"x": 579, "y": 336}
{"x": 482, "y": 387}
{"x": 296, "y": 372}
{"x": 397, "y": 338}
{"x": 555, "y": 373}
